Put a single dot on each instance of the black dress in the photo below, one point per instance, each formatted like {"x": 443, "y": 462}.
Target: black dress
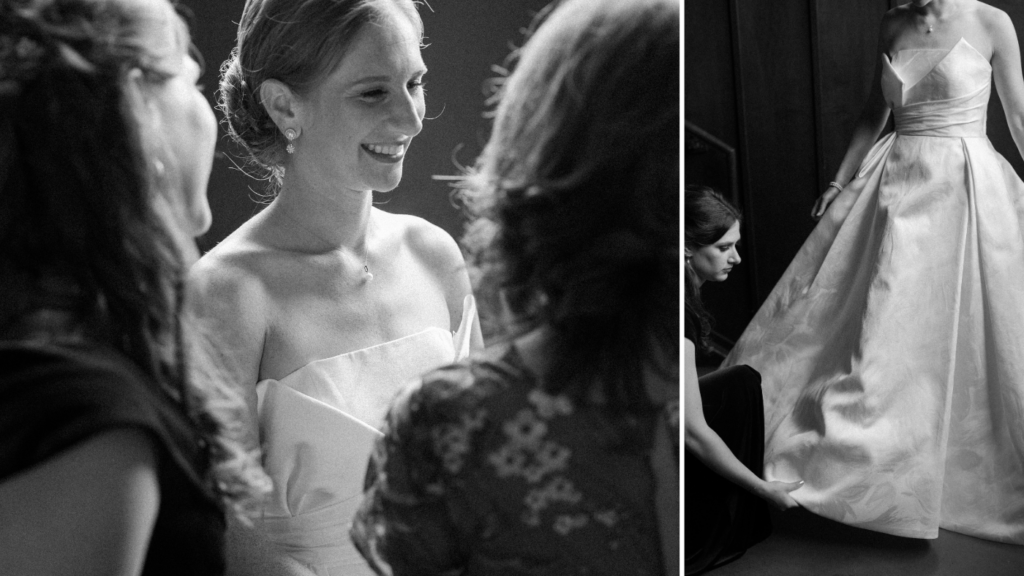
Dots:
{"x": 55, "y": 397}
{"x": 482, "y": 472}
{"x": 722, "y": 520}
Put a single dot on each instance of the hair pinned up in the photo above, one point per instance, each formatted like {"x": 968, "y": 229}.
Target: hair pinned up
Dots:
{"x": 297, "y": 42}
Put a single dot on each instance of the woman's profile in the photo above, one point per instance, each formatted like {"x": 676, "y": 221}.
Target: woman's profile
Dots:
{"x": 120, "y": 446}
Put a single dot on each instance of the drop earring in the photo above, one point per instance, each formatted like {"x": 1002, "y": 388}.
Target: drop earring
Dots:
{"x": 291, "y": 135}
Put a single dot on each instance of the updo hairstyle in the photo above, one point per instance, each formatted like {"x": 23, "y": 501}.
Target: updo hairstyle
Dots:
{"x": 297, "y": 42}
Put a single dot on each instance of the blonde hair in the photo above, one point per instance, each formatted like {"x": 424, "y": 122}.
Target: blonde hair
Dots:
{"x": 296, "y": 42}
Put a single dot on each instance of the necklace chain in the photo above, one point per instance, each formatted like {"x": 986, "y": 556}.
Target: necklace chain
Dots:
{"x": 931, "y": 27}
{"x": 367, "y": 275}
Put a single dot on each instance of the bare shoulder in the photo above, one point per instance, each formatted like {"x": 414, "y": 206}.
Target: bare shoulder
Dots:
{"x": 995, "y": 21}
{"x": 227, "y": 291}
{"x": 894, "y": 22}
{"x": 232, "y": 268}
{"x": 895, "y": 16}
{"x": 429, "y": 243}
{"x": 440, "y": 255}
{"x": 999, "y": 31}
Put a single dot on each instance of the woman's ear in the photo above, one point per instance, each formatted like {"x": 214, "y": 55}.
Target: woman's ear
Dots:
{"x": 137, "y": 91}
{"x": 686, "y": 252}
{"x": 281, "y": 104}
{"x": 134, "y": 81}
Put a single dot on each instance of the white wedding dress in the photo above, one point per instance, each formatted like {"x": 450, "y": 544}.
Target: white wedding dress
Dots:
{"x": 318, "y": 425}
{"x": 892, "y": 349}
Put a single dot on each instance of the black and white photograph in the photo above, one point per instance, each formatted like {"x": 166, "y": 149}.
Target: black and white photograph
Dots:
{"x": 854, "y": 288}
{"x": 341, "y": 287}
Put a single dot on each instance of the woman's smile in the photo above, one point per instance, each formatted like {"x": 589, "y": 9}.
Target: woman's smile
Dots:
{"x": 389, "y": 153}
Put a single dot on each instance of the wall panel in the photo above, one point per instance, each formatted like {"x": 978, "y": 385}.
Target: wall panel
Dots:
{"x": 845, "y": 49}
{"x": 778, "y": 155}
{"x": 711, "y": 140}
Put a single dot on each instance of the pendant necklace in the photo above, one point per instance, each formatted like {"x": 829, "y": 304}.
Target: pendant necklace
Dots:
{"x": 367, "y": 275}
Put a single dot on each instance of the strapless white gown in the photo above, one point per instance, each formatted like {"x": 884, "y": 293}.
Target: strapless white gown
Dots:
{"x": 891, "y": 349}
{"x": 318, "y": 425}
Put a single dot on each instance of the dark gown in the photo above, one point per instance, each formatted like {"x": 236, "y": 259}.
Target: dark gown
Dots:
{"x": 53, "y": 398}
{"x": 721, "y": 519}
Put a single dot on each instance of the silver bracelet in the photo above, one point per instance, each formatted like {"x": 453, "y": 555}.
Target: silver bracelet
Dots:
{"x": 836, "y": 185}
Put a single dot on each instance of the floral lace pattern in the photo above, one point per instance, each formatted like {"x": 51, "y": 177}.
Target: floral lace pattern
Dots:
{"x": 481, "y": 471}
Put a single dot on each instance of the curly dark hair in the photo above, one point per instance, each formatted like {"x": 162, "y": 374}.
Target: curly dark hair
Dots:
{"x": 296, "y": 42}
{"x": 80, "y": 236}
{"x": 575, "y": 198}
{"x": 708, "y": 217}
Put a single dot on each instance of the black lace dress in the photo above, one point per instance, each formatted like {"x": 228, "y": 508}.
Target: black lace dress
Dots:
{"x": 481, "y": 472}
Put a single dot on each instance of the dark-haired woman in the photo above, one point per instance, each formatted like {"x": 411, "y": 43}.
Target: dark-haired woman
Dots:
{"x": 556, "y": 451}
{"x": 324, "y": 305}
{"x": 724, "y": 431}
{"x": 118, "y": 452}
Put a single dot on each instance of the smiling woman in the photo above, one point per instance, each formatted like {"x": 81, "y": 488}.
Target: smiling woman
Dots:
{"x": 323, "y": 304}
{"x": 353, "y": 127}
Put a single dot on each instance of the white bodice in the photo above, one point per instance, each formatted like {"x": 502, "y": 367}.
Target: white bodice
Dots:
{"x": 317, "y": 427}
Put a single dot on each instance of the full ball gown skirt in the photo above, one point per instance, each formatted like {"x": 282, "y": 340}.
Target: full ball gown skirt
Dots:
{"x": 892, "y": 349}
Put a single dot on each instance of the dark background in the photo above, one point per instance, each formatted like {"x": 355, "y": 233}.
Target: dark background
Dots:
{"x": 465, "y": 39}
{"x": 772, "y": 92}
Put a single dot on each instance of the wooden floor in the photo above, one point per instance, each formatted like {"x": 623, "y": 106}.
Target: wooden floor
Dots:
{"x": 804, "y": 544}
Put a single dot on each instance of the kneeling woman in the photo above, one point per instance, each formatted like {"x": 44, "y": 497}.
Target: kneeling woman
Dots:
{"x": 724, "y": 416}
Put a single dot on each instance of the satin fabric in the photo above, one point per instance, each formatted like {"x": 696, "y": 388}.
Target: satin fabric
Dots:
{"x": 892, "y": 349}
{"x": 318, "y": 426}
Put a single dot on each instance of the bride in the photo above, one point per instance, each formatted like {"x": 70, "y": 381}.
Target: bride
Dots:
{"x": 893, "y": 374}
{"x": 323, "y": 304}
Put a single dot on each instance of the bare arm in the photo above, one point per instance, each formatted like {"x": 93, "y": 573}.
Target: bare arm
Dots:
{"x": 708, "y": 446}
{"x": 458, "y": 287}
{"x": 1006, "y": 71}
{"x": 227, "y": 306}
{"x": 90, "y": 510}
{"x": 869, "y": 127}
{"x": 441, "y": 254}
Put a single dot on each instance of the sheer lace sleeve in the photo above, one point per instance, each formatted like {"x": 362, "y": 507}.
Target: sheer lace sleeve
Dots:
{"x": 403, "y": 526}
